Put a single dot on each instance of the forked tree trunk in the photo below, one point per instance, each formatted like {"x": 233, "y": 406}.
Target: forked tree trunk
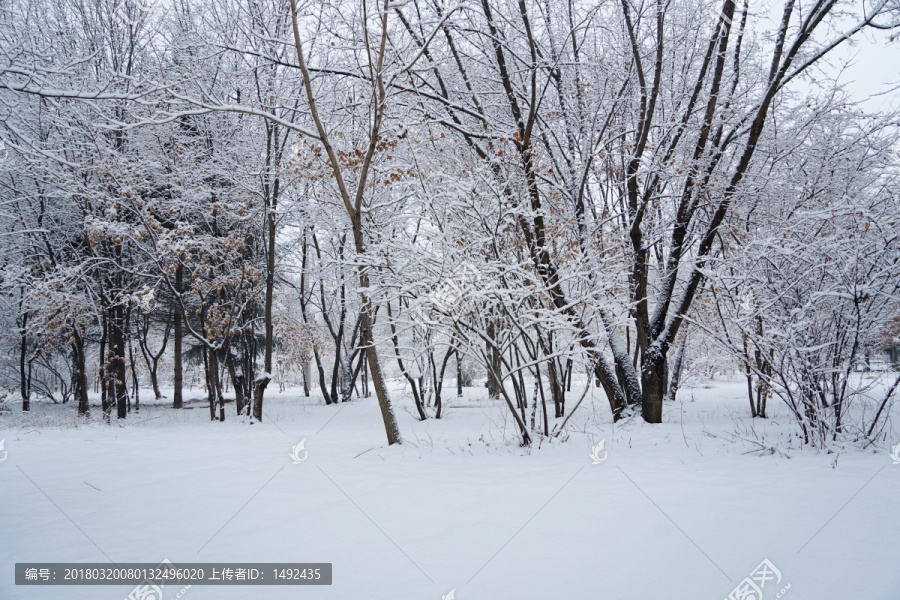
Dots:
{"x": 322, "y": 385}
{"x": 354, "y": 204}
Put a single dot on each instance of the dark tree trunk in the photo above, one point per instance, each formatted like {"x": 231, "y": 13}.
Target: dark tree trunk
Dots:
{"x": 135, "y": 387}
{"x": 237, "y": 380}
{"x": 304, "y": 247}
{"x": 439, "y": 383}
{"x": 336, "y": 369}
{"x": 79, "y": 374}
{"x": 178, "y": 379}
{"x": 212, "y": 367}
{"x": 556, "y": 389}
{"x": 654, "y": 380}
{"x": 151, "y": 359}
{"x": 493, "y": 384}
{"x": 271, "y": 205}
{"x": 518, "y": 380}
{"x": 360, "y": 357}
{"x": 459, "y": 374}
{"x": 543, "y": 404}
{"x": 154, "y": 379}
{"x": 104, "y": 335}
{"x": 24, "y": 378}
{"x": 217, "y": 383}
{"x": 322, "y": 386}
{"x": 748, "y": 375}
{"x": 116, "y": 371}
{"x": 365, "y": 373}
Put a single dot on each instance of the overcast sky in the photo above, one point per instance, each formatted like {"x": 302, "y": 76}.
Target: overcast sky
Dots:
{"x": 874, "y": 72}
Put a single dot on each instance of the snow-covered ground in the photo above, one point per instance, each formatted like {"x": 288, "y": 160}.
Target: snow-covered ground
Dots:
{"x": 686, "y": 509}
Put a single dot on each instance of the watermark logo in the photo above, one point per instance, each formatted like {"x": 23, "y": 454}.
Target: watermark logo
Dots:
{"x": 596, "y": 450}
{"x": 3, "y": 452}
{"x": 296, "y": 450}
{"x": 895, "y": 453}
{"x": 130, "y": 12}
{"x": 751, "y": 588}
{"x": 451, "y": 595}
{"x": 148, "y": 590}
{"x": 446, "y": 297}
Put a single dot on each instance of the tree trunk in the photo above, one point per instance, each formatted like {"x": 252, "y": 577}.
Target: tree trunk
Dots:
{"x": 493, "y": 384}
{"x": 336, "y": 368}
{"x": 116, "y": 372}
{"x": 154, "y": 379}
{"x": 307, "y": 374}
{"x": 365, "y": 373}
{"x": 366, "y": 342}
{"x": 439, "y": 383}
{"x": 79, "y": 374}
{"x": 322, "y": 386}
{"x": 654, "y": 379}
{"x": 354, "y": 212}
{"x": 178, "y": 379}
{"x": 211, "y": 366}
{"x": 459, "y": 374}
{"x": 24, "y": 380}
{"x": 556, "y": 389}
{"x": 237, "y": 381}
{"x": 104, "y": 335}
{"x": 217, "y": 383}
{"x": 677, "y": 366}
{"x": 131, "y": 363}
{"x": 416, "y": 387}
{"x": 262, "y": 382}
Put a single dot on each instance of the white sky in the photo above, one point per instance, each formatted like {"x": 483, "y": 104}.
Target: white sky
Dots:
{"x": 873, "y": 76}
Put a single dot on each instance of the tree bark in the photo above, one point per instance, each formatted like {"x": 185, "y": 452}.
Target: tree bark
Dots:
{"x": 654, "y": 379}
{"x": 178, "y": 379}
{"x": 24, "y": 379}
{"x": 493, "y": 385}
{"x": 384, "y": 401}
{"x": 79, "y": 374}
{"x": 116, "y": 372}
{"x": 209, "y": 357}
{"x": 459, "y": 375}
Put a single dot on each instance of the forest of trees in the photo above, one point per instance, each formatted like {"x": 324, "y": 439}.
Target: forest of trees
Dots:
{"x": 341, "y": 192}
